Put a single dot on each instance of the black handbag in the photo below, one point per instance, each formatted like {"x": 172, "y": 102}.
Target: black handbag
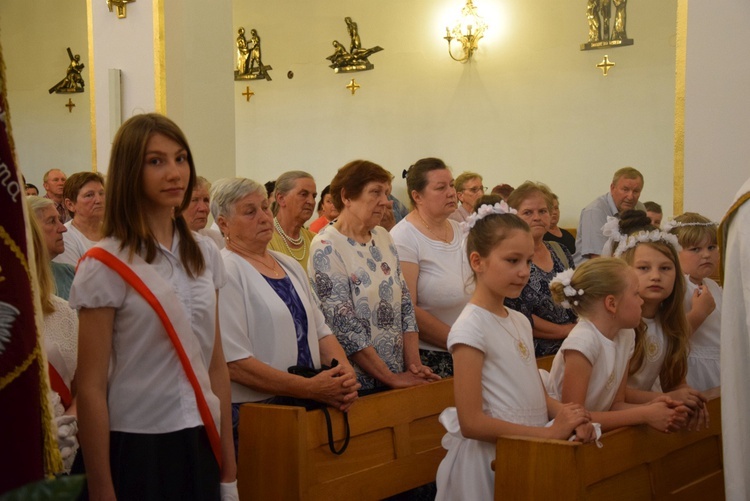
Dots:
{"x": 308, "y": 404}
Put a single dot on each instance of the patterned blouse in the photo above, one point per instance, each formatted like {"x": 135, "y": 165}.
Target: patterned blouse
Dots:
{"x": 536, "y": 299}
{"x": 363, "y": 296}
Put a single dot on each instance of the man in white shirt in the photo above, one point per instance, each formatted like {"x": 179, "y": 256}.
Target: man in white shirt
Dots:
{"x": 623, "y": 195}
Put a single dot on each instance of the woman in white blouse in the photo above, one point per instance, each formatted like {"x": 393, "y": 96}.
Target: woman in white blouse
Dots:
{"x": 269, "y": 318}
{"x": 84, "y": 197}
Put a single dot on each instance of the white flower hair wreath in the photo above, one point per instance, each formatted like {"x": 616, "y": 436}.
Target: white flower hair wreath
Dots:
{"x": 564, "y": 278}
{"x": 671, "y": 224}
{"x": 611, "y": 229}
{"x": 484, "y": 211}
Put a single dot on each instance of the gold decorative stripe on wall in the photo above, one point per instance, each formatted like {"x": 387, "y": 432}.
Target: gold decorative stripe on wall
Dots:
{"x": 679, "y": 106}
{"x": 160, "y": 75}
{"x": 92, "y": 83}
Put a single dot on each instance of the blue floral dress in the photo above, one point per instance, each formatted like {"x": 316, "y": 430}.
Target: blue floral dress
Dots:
{"x": 536, "y": 299}
{"x": 363, "y": 296}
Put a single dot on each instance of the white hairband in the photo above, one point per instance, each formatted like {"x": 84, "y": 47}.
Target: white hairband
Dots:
{"x": 672, "y": 224}
{"x": 484, "y": 211}
{"x": 564, "y": 278}
{"x": 611, "y": 229}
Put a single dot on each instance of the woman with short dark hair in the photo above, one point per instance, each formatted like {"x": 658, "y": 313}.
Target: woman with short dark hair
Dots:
{"x": 357, "y": 277}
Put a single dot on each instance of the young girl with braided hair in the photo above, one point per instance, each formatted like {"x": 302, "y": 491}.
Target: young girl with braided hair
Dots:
{"x": 592, "y": 365}
{"x": 659, "y": 362}
{"x": 497, "y": 387}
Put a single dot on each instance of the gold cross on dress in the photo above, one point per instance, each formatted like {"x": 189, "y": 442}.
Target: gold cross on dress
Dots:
{"x": 605, "y": 65}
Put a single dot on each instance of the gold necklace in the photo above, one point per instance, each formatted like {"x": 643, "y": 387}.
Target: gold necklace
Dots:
{"x": 523, "y": 350}
{"x": 271, "y": 268}
{"x": 442, "y": 239}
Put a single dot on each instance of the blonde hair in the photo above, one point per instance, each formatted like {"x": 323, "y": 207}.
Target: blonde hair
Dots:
{"x": 694, "y": 229}
{"x": 463, "y": 178}
{"x": 597, "y": 278}
{"x": 43, "y": 270}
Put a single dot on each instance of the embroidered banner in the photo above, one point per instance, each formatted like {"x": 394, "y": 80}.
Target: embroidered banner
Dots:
{"x": 22, "y": 376}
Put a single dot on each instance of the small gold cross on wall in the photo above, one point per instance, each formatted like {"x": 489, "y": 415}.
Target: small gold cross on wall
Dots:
{"x": 353, "y": 86}
{"x": 248, "y": 93}
{"x": 605, "y": 65}
{"x": 70, "y": 105}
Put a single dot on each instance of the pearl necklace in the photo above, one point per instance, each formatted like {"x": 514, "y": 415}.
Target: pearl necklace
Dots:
{"x": 442, "y": 239}
{"x": 293, "y": 241}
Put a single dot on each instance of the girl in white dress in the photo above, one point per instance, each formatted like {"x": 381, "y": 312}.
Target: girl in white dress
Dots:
{"x": 659, "y": 362}
{"x": 699, "y": 258}
{"x": 497, "y": 387}
{"x": 592, "y": 364}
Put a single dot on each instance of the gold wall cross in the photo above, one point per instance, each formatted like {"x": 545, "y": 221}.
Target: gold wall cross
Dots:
{"x": 353, "y": 86}
{"x": 605, "y": 65}
{"x": 248, "y": 93}
{"x": 70, "y": 105}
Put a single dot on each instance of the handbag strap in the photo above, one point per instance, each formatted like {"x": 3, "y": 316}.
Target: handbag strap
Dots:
{"x": 132, "y": 279}
{"x": 329, "y": 427}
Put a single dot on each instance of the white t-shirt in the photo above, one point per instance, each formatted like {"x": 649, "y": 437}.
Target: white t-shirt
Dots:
{"x": 76, "y": 245}
{"x": 256, "y": 322}
{"x": 703, "y": 361}
{"x": 148, "y": 391}
{"x": 608, "y": 357}
{"x": 443, "y": 272}
{"x": 647, "y": 377}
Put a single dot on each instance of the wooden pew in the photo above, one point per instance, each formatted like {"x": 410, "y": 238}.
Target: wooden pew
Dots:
{"x": 394, "y": 446}
{"x": 635, "y": 463}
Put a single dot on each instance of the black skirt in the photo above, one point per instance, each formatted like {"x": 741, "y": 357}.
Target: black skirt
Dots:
{"x": 178, "y": 465}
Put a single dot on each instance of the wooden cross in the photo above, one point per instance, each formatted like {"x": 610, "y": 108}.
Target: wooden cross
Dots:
{"x": 353, "y": 86}
{"x": 605, "y": 65}
{"x": 248, "y": 93}
{"x": 70, "y": 105}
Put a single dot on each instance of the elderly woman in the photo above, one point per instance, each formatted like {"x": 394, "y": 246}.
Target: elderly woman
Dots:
{"x": 295, "y": 202}
{"x": 557, "y": 234}
{"x": 196, "y": 214}
{"x": 52, "y": 231}
{"x": 357, "y": 277}
{"x": 83, "y": 196}
{"x": 433, "y": 259}
{"x": 551, "y": 323}
{"x": 268, "y": 315}
{"x": 469, "y": 189}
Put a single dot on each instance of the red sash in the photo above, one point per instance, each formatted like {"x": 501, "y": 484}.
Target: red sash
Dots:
{"x": 58, "y": 385}
{"x": 137, "y": 284}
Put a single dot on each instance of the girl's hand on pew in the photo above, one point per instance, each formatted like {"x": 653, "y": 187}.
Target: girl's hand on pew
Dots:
{"x": 585, "y": 433}
{"x": 568, "y": 418}
{"x": 691, "y": 397}
{"x": 663, "y": 415}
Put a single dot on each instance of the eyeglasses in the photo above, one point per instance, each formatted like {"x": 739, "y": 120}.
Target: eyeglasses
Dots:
{"x": 476, "y": 189}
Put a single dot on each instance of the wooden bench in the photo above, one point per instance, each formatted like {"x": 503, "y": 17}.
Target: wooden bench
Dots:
{"x": 394, "y": 446}
{"x": 635, "y": 463}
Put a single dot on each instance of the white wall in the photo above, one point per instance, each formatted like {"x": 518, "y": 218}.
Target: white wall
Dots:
{"x": 530, "y": 106}
{"x": 717, "y": 110}
{"x": 34, "y": 36}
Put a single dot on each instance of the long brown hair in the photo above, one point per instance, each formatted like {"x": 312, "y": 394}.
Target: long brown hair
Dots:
{"x": 671, "y": 314}
{"x": 123, "y": 217}
{"x": 43, "y": 270}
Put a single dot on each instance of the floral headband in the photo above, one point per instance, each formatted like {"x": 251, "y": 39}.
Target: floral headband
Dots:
{"x": 672, "y": 224}
{"x": 611, "y": 229}
{"x": 564, "y": 278}
{"x": 484, "y": 211}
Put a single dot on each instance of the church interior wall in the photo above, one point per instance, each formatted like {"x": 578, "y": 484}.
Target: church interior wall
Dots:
{"x": 530, "y": 104}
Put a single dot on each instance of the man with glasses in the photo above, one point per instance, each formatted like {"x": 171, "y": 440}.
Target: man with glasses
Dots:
{"x": 469, "y": 189}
